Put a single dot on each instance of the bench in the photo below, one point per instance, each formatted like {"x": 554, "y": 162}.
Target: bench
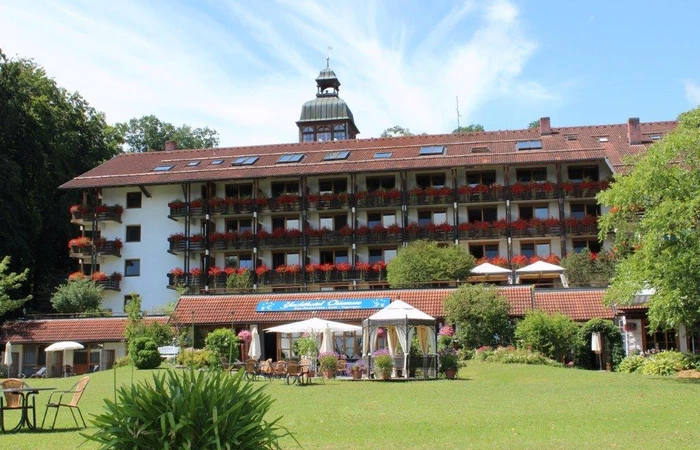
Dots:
{"x": 168, "y": 352}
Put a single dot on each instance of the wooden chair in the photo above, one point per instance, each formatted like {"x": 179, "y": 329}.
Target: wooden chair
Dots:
{"x": 77, "y": 391}
{"x": 305, "y": 372}
{"x": 13, "y": 401}
{"x": 265, "y": 369}
{"x": 342, "y": 368}
{"x": 292, "y": 374}
{"x": 280, "y": 369}
{"x": 251, "y": 370}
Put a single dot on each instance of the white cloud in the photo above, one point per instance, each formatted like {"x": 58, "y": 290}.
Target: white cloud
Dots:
{"x": 246, "y": 70}
{"x": 692, "y": 92}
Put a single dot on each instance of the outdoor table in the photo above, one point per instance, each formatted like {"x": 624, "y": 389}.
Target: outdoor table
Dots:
{"x": 25, "y": 393}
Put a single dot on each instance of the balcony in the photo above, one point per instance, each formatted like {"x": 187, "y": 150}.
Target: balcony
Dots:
{"x": 481, "y": 193}
{"x": 535, "y": 227}
{"x": 586, "y": 226}
{"x": 217, "y": 241}
{"x": 435, "y": 232}
{"x": 280, "y": 237}
{"x": 284, "y": 202}
{"x": 430, "y": 196}
{"x": 328, "y": 201}
{"x": 82, "y": 247}
{"x": 84, "y": 215}
{"x": 584, "y": 189}
{"x": 483, "y": 230}
{"x": 379, "y": 234}
{"x": 325, "y": 237}
{"x": 378, "y": 199}
{"x": 534, "y": 190}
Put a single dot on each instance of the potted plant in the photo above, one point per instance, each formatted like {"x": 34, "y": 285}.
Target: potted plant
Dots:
{"x": 305, "y": 346}
{"x": 383, "y": 364}
{"x": 357, "y": 370}
{"x": 328, "y": 363}
{"x": 448, "y": 362}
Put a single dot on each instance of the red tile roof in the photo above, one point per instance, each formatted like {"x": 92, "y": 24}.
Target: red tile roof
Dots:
{"x": 580, "y": 305}
{"x": 104, "y": 329}
{"x": 137, "y": 168}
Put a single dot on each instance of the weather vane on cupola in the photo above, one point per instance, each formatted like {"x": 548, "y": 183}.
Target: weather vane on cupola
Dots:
{"x": 328, "y": 56}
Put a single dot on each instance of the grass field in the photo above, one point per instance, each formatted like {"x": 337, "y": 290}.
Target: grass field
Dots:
{"x": 491, "y": 406}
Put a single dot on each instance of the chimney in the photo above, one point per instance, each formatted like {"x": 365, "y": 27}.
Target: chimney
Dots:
{"x": 170, "y": 145}
{"x": 634, "y": 131}
{"x": 545, "y": 126}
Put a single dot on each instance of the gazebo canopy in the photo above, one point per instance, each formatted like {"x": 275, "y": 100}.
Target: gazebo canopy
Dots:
{"x": 490, "y": 269}
{"x": 399, "y": 313}
{"x": 541, "y": 267}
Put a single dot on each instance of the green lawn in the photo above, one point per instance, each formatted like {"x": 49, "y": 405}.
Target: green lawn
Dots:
{"x": 491, "y": 406}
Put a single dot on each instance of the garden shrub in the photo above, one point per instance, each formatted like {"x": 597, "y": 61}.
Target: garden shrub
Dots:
{"x": 191, "y": 409}
{"x": 143, "y": 351}
{"x": 512, "y": 355}
{"x": 481, "y": 353}
{"x": 554, "y": 335}
{"x": 222, "y": 342}
{"x": 665, "y": 363}
{"x": 480, "y": 313}
{"x": 613, "y": 349}
{"x": 631, "y": 364}
{"x": 196, "y": 359}
{"x": 122, "y": 361}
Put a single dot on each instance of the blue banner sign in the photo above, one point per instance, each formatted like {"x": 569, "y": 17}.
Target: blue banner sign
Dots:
{"x": 323, "y": 305}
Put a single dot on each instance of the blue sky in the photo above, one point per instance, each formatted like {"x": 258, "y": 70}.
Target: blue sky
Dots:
{"x": 245, "y": 68}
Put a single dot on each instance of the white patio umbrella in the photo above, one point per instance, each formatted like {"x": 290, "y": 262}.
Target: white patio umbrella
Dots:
{"x": 7, "y": 360}
{"x": 62, "y": 347}
{"x": 254, "y": 350}
{"x": 314, "y": 325}
{"x": 327, "y": 342}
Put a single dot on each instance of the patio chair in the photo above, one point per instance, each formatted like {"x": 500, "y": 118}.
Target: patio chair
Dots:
{"x": 77, "y": 391}
{"x": 41, "y": 373}
{"x": 280, "y": 369}
{"x": 292, "y": 375}
{"x": 342, "y": 368}
{"x": 251, "y": 367}
{"x": 265, "y": 369}
{"x": 13, "y": 401}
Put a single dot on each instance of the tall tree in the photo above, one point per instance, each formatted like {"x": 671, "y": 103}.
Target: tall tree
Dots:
{"x": 150, "y": 133}
{"x": 47, "y": 137}
{"x": 395, "y": 131}
{"x": 481, "y": 315}
{"x": 655, "y": 215}
{"x": 10, "y": 282}
{"x": 425, "y": 262}
{"x": 472, "y": 128}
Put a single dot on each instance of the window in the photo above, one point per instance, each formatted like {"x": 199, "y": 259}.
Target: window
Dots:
{"x": 192, "y": 163}
{"x": 343, "y": 154}
{"x": 217, "y": 162}
{"x": 245, "y": 161}
{"x": 382, "y": 155}
{"x": 533, "y": 212}
{"x": 581, "y": 210}
{"x": 288, "y": 259}
{"x": 428, "y": 217}
{"x": 483, "y": 250}
{"x": 239, "y": 190}
{"x": 333, "y": 257}
{"x": 239, "y": 261}
{"x": 239, "y": 225}
{"x": 436, "y": 180}
{"x": 132, "y": 267}
{"x": 333, "y": 186}
{"x": 307, "y": 134}
{"x": 294, "y": 157}
{"x": 480, "y": 150}
{"x": 531, "y": 174}
{"x": 376, "y": 183}
{"x": 287, "y": 223}
{"x": 286, "y": 345}
{"x": 570, "y": 137}
{"x": 384, "y": 219}
{"x": 162, "y": 168}
{"x": 335, "y": 222}
{"x": 603, "y": 139}
{"x": 580, "y": 173}
{"x": 590, "y": 244}
{"x": 346, "y": 344}
{"x": 379, "y": 254}
{"x": 432, "y": 150}
{"x": 528, "y": 145}
{"x": 487, "y": 178}
{"x": 127, "y": 299}
{"x": 324, "y": 134}
{"x": 482, "y": 214}
{"x": 133, "y": 200}
{"x": 661, "y": 340}
{"x": 535, "y": 249}
{"x": 339, "y": 132}
{"x": 285, "y": 187}
{"x": 133, "y": 233}
{"x": 655, "y": 137}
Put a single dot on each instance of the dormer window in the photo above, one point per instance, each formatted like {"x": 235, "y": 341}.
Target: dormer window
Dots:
{"x": 528, "y": 145}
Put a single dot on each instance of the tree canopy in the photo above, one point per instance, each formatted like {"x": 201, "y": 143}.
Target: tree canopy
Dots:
{"x": 395, "y": 131}
{"x": 78, "y": 296}
{"x": 655, "y": 215}
{"x": 481, "y": 315}
{"x": 586, "y": 269}
{"x": 10, "y": 282}
{"x": 534, "y": 124}
{"x": 425, "y": 262}
{"x": 150, "y": 133}
{"x": 474, "y": 127}
{"x": 47, "y": 137}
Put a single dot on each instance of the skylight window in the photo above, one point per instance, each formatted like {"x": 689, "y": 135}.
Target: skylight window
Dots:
{"x": 382, "y": 155}
{"x": 481, "y": 150}
{"x": 570, "y": 137}
{"x": 655, "y": 137}
{"x": 432, "y": 150}
{"x": 603, "y": 139}
{"x": 245, "y": 161}
{"x": 343, "y": 154}
{"x": 162, "y": 168}
{"x": 294, "y": 157}
{"x": 217, "y": 162}
{"x": 528, "y": 145}
{"x": 192, "y": 163}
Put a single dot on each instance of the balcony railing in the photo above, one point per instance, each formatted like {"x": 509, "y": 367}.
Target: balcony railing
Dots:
{"x": 588, "y": 225}
{"x": 82, "y": 214}
{"x": 481, "y": 193}
{"x": 379, "y": 198}
{"x": 284, "y": 202}
{"x": 483, "y": 230}
{"x": 533, "y": 191}
{"x": 102, "y": 247}
{"x": 379, "y": 235}
{"x": 328, "y": 201}
{"x": 535, "y": 227}
{"x": 430, "y": 196}
{"x": 110, "y": 284}
{"x": 584, "y": 189}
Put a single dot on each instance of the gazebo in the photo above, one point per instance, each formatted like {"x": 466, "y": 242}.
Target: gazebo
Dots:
{"x": 402, "y": 321}
{"x": 541, "y": 270}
